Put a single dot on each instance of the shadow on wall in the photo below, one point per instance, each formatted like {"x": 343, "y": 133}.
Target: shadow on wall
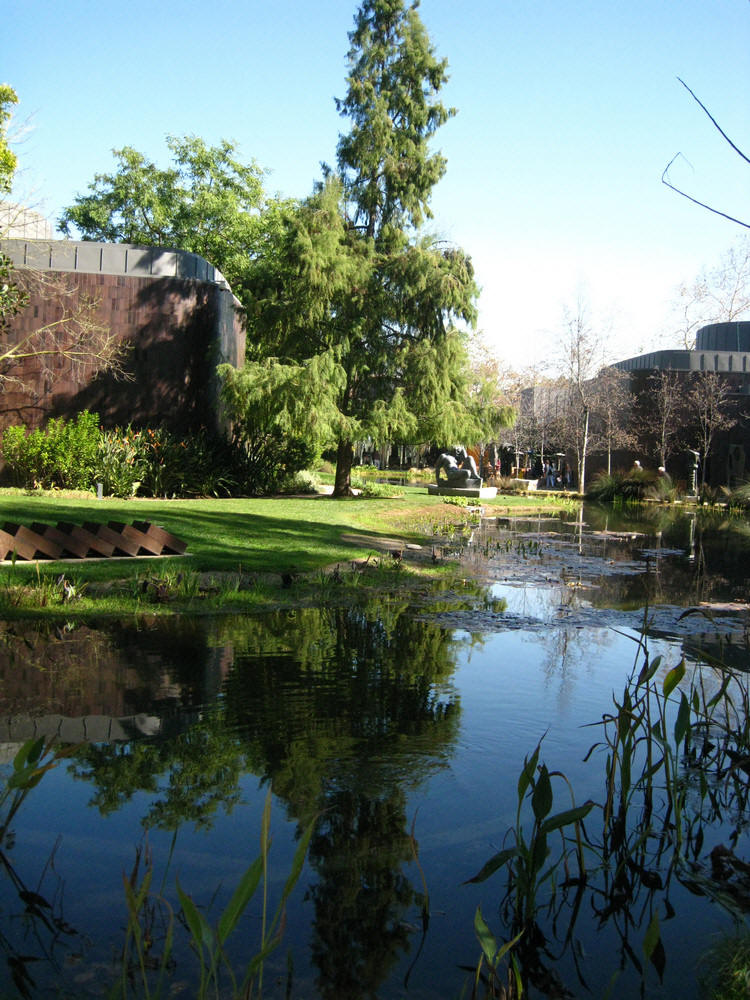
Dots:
{"x": 170, "y": 328}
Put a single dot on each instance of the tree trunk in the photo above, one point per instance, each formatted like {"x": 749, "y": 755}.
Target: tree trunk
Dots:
{"x": 344, "y": 458}
{"x": 584, "y": 450}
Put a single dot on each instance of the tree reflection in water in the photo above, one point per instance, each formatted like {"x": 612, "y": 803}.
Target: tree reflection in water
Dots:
{"x": 366, "y": 715}
{"x": 343, "y": 711}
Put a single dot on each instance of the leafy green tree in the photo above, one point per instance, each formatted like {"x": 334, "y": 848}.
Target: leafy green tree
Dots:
{"x": 74, "y": 332}
{"x": 8, "y": 160}
{"x": 207, "y": 202}
{"x": 12, "y": 298}
{"x": 353, "y": 285}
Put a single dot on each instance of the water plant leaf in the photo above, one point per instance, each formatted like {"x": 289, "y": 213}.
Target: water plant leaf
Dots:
{"x": 298, "y": 860}
{"x": 485, "y": 937}
{"x": 240, "y": 898}
{"x": 491, "y": 866}
{"x": 682, "y": 721}
{"x": 653, "y": 948}
{"x": 567, "y": 816}
{"x": 539, "y": 852}
{"x": 673, "y": 678}
{"x": 526, "y": 776}
{"x": 28, "y": 753}
{"x": 647, "y": 671}
{"x": 720, "y": 693}
{"x": 265, "y": 826}
{"x": 541, "y": 797}
{"x": 199, "y": 927}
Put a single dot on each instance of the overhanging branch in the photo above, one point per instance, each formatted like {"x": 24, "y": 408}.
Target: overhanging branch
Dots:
{"x": 702, "y": 204}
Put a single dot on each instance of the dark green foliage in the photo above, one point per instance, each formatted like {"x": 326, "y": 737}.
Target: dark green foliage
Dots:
{"x": 196, "y": 465}
{"x": 633, "y": 485}
{"x": 77, "y": 455}
{"x": 268, "y": 460}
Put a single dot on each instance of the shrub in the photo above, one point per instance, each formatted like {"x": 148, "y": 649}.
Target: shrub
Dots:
{"x": 303, "y": 482}
{"x": 381, "y": 490}
{"x": 62, "y": 455}
{"x": 197, "y": 464}
{"x": 121, "y": 462}
{"x": 264, "y": 461}
{"x": 632, "y": 485}
{"x": 662, "y": 488}
{"x": 740, "y": 496}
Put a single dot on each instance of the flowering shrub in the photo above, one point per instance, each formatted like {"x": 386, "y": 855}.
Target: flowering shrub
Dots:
{"x": 121, "y": 461}
{"x": 196, "y": 465}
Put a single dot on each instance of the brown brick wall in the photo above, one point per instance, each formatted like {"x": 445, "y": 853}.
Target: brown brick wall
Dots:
{"x": 173, "y": 328}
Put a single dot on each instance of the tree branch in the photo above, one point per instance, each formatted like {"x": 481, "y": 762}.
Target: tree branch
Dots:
{"x": 716, "y": 125}
{"x": 695, "y": 201}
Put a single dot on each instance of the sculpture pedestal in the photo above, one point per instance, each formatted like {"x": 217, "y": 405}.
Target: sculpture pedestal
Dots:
{"x": 477, "y": 492}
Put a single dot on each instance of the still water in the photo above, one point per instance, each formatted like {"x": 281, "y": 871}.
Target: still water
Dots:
{"x": 399, "y": 729}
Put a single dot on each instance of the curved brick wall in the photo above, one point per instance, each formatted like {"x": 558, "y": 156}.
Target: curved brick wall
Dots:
{"x": 173, "y": 309}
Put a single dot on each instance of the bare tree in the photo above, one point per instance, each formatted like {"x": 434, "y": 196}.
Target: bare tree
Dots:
{"x": 613, "y": 405}
{"x": 582, "y": 358}
{"x": 71, "y": 330}
{"x": 660, "y": 423}
{"x": 718, "y": 295}
{"x": 711, "y": 408}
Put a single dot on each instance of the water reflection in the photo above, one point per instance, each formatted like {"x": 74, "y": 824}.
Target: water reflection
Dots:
{"x": 361, "y": 716}
{"x": 341, "y": 710}
{"x": 623, "y": 557}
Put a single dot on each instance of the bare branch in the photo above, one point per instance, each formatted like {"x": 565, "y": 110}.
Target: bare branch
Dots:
{"x": 73, "y": 333}
{"x": 695, "y": 201}
{"x": 716, "y": 125}
{"x": 665, "y": 173}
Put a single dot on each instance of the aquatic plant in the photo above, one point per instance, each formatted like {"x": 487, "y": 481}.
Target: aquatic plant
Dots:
{"x": 45, "y": 589}
{"x": 146, "y": 909}
{"x": 612, "y": 486}
{"x": 675, "y": 751}
{"x": 530, "y": 870}
{"x": 726, "y": 965}
{"x": 32, "y": 761}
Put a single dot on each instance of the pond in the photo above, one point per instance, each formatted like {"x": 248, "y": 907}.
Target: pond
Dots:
{"x": 396, "y": 730}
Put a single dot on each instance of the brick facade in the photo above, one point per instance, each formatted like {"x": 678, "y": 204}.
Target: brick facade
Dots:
{"x": 177, "y": 329}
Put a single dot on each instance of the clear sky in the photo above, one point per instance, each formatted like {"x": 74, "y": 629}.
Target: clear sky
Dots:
{"x": 568, "y": 112}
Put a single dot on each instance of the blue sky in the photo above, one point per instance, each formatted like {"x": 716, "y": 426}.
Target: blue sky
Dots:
{"x": 568, "y": 113}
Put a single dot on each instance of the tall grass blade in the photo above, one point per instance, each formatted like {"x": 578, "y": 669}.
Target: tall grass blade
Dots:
{"x": 240, "y": 898}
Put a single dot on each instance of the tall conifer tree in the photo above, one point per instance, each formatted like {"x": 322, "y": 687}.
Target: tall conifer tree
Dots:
{"x": 355, "y": 278}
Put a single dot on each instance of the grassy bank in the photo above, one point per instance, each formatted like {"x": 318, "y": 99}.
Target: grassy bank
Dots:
{"x": 244, "y": 552}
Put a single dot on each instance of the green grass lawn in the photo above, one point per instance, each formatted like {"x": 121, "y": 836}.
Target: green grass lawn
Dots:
{"x": 247, "y": 537}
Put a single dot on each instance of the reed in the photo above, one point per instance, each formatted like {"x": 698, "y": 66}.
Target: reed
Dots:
{"x": 217, "y": 974}
{"x": 674, "y": 756}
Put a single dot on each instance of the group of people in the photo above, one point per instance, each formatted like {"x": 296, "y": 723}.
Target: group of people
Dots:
{"x": 555, "y": 478}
